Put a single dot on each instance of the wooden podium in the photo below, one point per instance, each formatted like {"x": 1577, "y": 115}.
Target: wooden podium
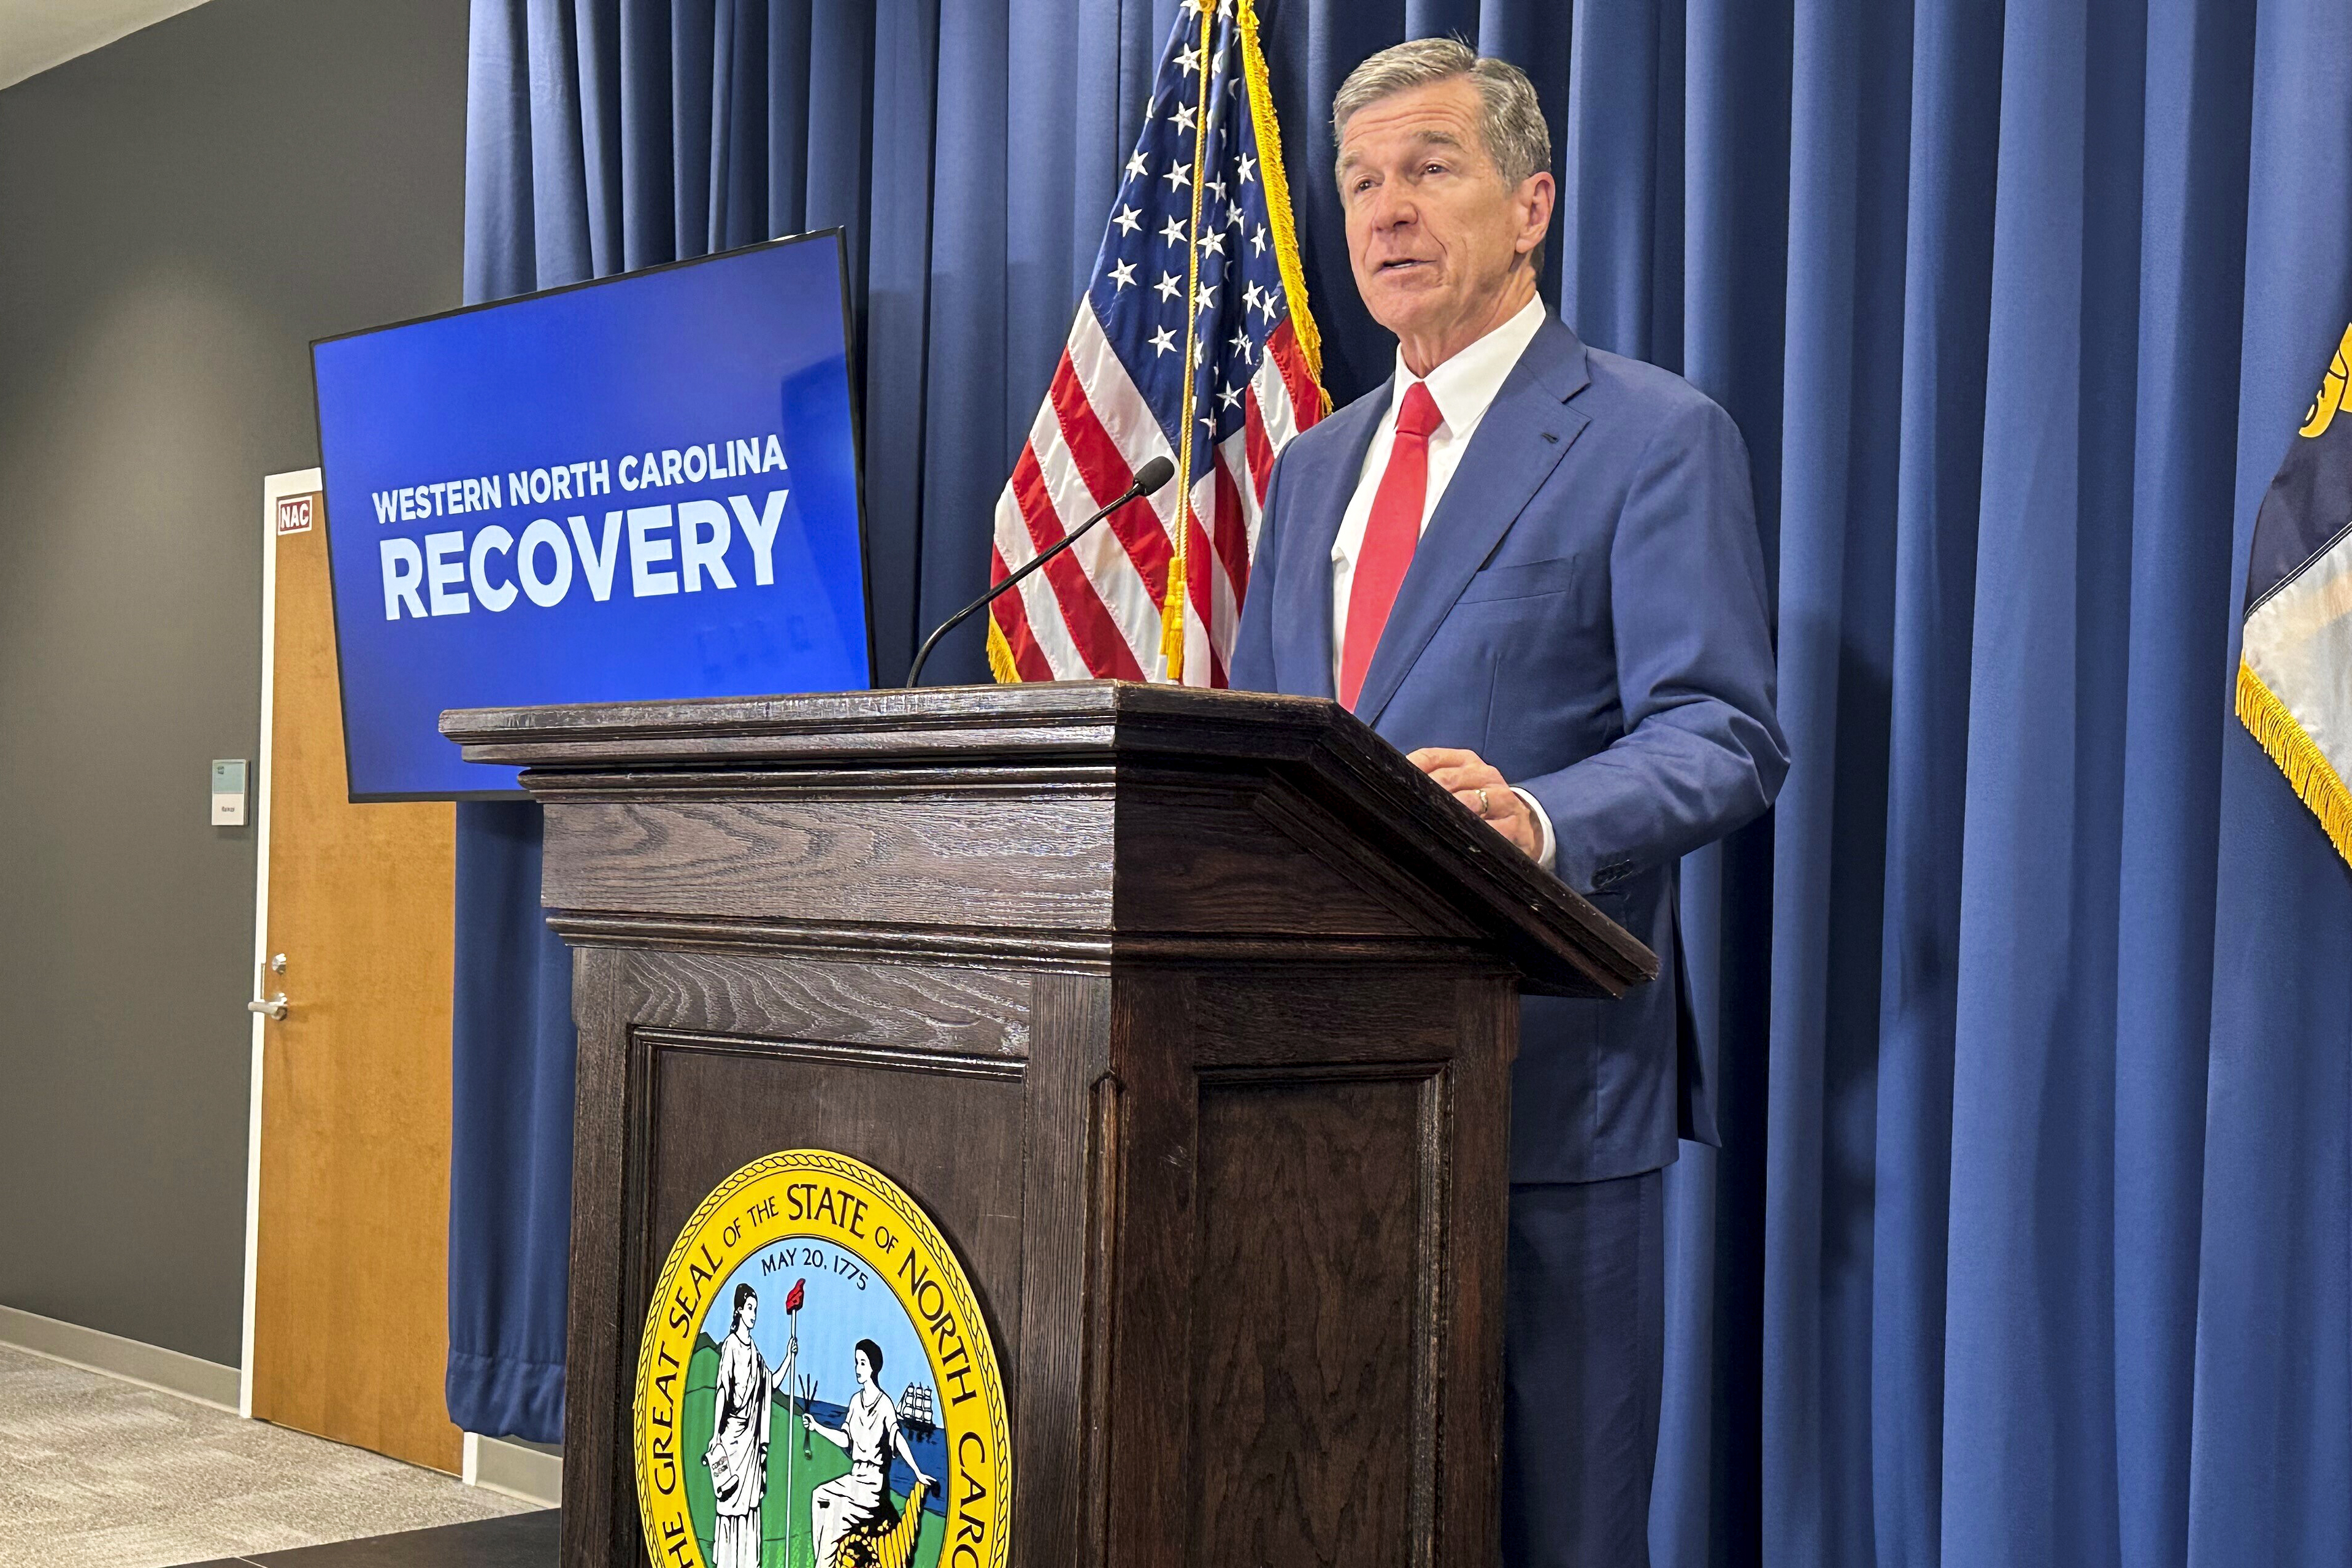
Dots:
{"x": 1189, "y": 1017}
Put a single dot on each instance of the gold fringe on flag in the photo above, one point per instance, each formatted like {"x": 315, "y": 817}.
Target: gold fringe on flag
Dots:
{"x": 1278, "y": 198}
{"x": 2298, "y": 756}
{"x": 1000, "y": 655}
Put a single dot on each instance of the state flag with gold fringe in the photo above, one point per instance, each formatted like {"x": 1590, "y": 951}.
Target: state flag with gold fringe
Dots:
{"x": 2294, "y": 672}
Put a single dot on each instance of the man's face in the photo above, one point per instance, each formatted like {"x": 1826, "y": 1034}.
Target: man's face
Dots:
{"x": 1431, "y": 229}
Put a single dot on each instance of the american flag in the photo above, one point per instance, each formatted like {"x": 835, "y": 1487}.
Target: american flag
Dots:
{"x": 1199, "y": 272}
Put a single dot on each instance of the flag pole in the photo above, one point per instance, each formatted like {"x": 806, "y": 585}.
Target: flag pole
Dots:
{"x": 1171, "y": 609}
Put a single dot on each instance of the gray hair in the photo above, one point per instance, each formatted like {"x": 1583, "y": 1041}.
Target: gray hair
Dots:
{"x": 1518, "y": 143}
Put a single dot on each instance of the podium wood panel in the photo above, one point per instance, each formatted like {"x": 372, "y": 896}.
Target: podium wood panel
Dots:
{"x": 1306, "y": 1334}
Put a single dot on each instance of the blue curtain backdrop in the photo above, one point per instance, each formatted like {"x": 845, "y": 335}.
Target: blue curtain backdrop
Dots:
{"x": 2030, "y": 1240}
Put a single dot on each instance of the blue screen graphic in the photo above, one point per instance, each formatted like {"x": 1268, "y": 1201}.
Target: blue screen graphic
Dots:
{"x": 637, "y": 489}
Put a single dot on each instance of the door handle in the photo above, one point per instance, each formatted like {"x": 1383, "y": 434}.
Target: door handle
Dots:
{"x": 275, "y": 1006}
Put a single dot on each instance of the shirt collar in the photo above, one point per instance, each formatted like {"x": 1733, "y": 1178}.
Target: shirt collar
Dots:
{"x": 1463, "y": 386}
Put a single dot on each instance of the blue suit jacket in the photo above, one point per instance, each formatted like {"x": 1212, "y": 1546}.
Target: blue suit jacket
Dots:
{"x": 1586, "y": 611}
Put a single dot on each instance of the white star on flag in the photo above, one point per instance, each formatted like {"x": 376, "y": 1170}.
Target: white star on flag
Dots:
{"x": 1174, "y": 233}
{"x": 1128, "y": 220}
{"x": 1178, "y": 176}
{"x": 1164, "y": 340}
{"x": 1122, "y": 274}
{"x": 1168, "y": 285}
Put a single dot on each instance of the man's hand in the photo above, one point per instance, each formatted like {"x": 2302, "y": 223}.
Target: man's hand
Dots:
{"x": 1484, "y": 793}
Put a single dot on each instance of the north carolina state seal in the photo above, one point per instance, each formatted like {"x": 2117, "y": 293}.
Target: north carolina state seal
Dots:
{"x": 766, "y": 1434}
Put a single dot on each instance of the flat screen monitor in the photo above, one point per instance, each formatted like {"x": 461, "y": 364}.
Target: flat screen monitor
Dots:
{"x": 635, "y": 490}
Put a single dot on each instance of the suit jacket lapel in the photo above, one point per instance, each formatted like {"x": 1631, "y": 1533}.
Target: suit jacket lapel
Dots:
{"x": 1318, "y": 529}
{"x": 1522, "y": 438}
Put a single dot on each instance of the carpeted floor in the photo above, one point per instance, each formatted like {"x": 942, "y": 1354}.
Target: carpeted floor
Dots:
{"x": 98, "y": 1473}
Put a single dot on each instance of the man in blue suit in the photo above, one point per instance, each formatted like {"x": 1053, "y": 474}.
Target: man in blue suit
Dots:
{"x": 1534, "y": 566}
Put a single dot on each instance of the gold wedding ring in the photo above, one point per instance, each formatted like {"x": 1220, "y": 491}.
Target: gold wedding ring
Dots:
{"x": 1482, "y": 803}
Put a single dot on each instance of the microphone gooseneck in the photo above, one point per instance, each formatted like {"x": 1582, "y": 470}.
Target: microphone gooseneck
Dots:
{"x": 1148, "y": 478}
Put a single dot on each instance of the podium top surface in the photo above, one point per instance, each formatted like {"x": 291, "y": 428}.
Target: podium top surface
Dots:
{"x": 1555, "y": 938}
{"x": 1062, "y": 718}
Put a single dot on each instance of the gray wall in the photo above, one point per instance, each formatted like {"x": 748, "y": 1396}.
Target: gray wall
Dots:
{"x": 181, "y": 212}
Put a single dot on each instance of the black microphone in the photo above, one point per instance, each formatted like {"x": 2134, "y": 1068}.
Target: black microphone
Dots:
{"x": 1148, "y": 478}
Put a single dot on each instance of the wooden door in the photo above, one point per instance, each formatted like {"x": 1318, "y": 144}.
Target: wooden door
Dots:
{"x": 350, "y": 1271}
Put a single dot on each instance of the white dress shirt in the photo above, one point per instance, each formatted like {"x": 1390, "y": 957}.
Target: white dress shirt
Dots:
{"x": 1463, "y": 387}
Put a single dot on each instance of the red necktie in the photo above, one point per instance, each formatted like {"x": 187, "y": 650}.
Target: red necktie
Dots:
{"x": 1389, "y": 539}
